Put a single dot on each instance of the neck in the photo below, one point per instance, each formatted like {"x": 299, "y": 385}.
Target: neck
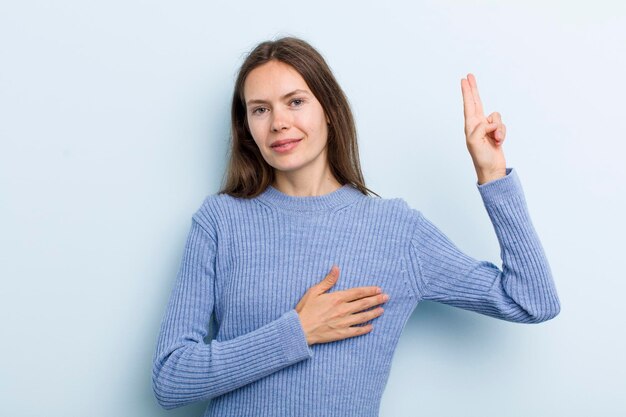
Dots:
{"x": 304, "y": 184}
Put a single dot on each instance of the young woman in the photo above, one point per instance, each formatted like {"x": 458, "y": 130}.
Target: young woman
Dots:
{"x": 294, "y": 257}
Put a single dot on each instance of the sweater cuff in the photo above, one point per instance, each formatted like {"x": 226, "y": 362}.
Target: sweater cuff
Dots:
{"x": 295, "y": 346}
{"x": 502, "y": 189}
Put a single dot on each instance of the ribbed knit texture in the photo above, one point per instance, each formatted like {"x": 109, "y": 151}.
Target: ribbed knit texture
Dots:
{"x": 249, "y": 262}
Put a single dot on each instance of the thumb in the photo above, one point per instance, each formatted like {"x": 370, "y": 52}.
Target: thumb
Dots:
{"x": 481, "y": 130}
{"x": 330, "y": 279}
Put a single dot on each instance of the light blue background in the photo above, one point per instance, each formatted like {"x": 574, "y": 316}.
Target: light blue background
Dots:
{"x": 114, "y": 127}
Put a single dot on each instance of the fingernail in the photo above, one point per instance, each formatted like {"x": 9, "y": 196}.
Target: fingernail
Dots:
{"x": 386, "y": 297}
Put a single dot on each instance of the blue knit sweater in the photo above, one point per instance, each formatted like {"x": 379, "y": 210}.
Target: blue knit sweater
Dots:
{"x": 248, "y": 262}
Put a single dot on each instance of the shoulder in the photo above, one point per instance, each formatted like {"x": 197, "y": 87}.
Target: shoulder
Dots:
{"x": 216, "y": 208}
{"x": 391, "y": 208}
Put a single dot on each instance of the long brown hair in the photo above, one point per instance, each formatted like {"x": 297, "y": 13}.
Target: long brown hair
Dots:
{"x": 248, "y": 174}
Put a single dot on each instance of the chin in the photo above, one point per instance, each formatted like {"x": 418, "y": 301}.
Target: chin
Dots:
{"x": 287, "y": 166}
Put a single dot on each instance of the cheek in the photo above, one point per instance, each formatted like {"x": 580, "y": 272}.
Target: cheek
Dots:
{"x": 322, "y": 128}
{"x": 255, "y": 129}
{"x": 316, "y": 123}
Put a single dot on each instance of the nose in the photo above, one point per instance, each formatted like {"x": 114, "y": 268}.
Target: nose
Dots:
{"x": 280, "y": 121}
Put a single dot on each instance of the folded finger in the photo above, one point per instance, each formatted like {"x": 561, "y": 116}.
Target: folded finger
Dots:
{"x": 495, "y": 117}
{"x": 502, "y": 132}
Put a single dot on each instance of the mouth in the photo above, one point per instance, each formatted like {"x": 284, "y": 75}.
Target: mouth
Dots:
{"x": 285, "y": 145}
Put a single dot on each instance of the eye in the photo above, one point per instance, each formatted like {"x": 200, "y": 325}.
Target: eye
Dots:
{"x": 297, "y": 102}
{"x": 259, "y": 110}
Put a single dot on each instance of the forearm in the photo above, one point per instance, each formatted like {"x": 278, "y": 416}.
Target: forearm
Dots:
{"x": 526, "y": 275}
{"x": 522, "y": 291}
{"x": 186, "y": 371}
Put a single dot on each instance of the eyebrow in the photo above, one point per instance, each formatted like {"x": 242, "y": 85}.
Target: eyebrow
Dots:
{"x": 294, "y": 92}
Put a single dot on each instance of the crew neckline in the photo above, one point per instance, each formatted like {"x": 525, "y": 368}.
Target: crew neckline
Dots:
{"x": 341, "y": 197}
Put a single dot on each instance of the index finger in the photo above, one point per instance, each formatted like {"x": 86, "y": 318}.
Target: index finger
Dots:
{"x": 469, "y": 107}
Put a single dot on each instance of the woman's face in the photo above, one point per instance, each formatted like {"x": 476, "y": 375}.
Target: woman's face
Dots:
{"x": 280, "y": 108}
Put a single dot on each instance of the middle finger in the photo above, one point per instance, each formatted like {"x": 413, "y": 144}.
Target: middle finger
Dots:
{"x": 364, "y": 303}
{"x": 477, "y": 102}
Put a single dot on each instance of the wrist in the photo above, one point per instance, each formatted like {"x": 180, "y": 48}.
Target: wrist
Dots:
{"x": 491, "y": 175}
{"x": 309, "y": 339}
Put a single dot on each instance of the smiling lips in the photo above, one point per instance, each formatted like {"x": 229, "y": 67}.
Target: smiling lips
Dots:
{"x": 285, "y": 145}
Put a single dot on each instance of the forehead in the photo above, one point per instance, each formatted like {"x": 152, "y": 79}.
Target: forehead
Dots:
{"x": 272, "y": 79}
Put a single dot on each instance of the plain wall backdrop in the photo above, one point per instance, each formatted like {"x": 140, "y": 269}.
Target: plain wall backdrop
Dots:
{"x": 114, "y": 120}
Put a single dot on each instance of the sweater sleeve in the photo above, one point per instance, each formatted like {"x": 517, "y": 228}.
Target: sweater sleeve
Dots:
{"x": 185, "y": 368}
{"x": 522, "y": 291}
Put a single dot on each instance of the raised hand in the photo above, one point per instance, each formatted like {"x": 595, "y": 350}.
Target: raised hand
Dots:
{"x": 327, "y": 317}
{"x": 484, "y": 135}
